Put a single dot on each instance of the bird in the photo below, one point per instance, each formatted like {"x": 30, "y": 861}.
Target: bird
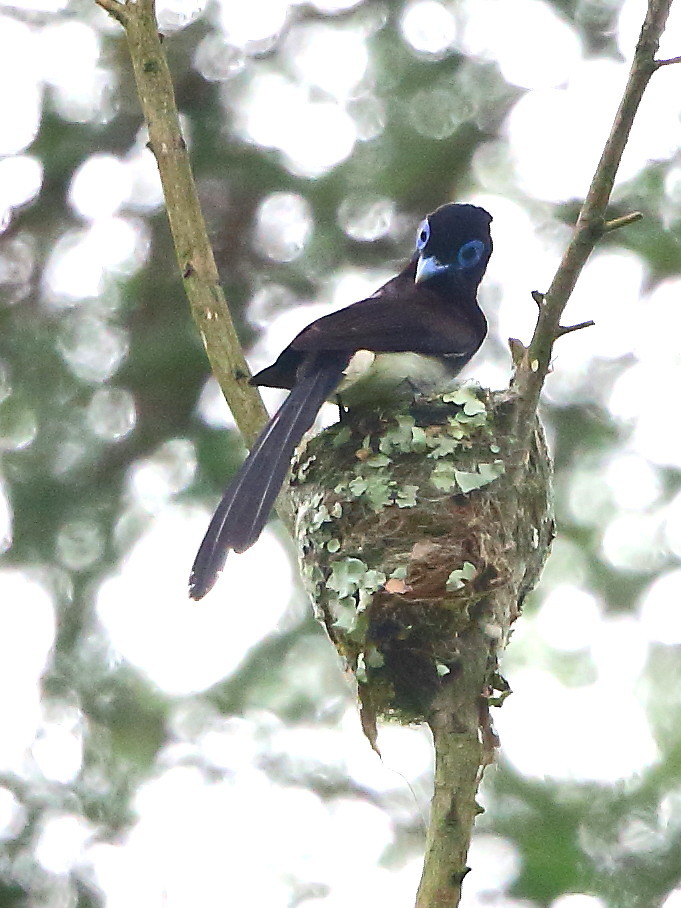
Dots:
{"x": 412, "y": 336}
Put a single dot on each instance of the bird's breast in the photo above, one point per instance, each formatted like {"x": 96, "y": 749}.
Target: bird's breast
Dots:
{"x": 372, "y": 378}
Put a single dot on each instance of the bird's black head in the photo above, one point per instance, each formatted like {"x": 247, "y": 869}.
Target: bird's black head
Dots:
{"x": 453, "y": 245}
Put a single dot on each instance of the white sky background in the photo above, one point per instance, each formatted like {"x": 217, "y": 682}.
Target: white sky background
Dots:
{"x": 193, "y": 831}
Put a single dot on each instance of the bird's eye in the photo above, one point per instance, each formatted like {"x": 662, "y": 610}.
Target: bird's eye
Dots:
{"x": 422, "y": 235}
{"x": 470, "y": 254}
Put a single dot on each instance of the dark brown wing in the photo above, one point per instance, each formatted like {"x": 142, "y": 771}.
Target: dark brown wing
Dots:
{"x": 416, "y": 321}
{"x": 284, "y": 371}
{"x": 400, "y": 317}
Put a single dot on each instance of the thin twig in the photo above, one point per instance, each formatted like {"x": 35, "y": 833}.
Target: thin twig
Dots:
{"x": 568, "y": 329}
{"x": 115, "y": 9}
{"x": 591, "y": 224}
{"x": 669, "y": 62}
{"x": 624, "y": 221}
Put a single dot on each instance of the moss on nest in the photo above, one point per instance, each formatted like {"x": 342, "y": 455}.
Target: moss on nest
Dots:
{"x": 412, "y": 533}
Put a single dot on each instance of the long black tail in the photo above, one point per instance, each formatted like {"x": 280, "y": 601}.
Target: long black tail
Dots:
{"x": 245, "y": 506}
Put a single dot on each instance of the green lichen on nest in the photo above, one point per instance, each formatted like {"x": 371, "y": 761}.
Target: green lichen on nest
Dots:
{"x": 406, "y": 527}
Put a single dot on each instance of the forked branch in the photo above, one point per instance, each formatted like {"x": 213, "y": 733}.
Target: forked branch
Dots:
{"x": 533, "y": 367}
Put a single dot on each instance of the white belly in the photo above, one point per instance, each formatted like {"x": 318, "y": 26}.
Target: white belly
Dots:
{"x": 371, "y": 377}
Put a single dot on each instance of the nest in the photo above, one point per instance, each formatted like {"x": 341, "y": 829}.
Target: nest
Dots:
{"x": 415, "y": 536}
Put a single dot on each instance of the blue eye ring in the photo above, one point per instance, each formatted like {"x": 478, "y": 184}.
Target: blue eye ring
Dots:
{"x": 422, "y": 235}
{"x": 470, "y": 254}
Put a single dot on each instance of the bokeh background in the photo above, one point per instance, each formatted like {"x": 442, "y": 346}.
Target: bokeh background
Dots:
{"x": 157, "y": 752}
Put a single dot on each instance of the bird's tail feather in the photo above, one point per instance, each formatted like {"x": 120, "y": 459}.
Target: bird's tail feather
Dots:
{"x": 245, "y": 506}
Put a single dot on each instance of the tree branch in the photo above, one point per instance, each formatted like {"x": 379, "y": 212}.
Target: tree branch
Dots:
{"x": 454, "y": 718}
{"x": 114, "y": 8}
{"x": 456, "y": 748}
{"x": 533, "y": 368}
{"x": 192, "y": 246}
{"x": 459, "y": 759}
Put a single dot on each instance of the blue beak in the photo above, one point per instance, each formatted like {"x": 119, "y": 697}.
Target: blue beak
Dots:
{"x": 427, "y": 267}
